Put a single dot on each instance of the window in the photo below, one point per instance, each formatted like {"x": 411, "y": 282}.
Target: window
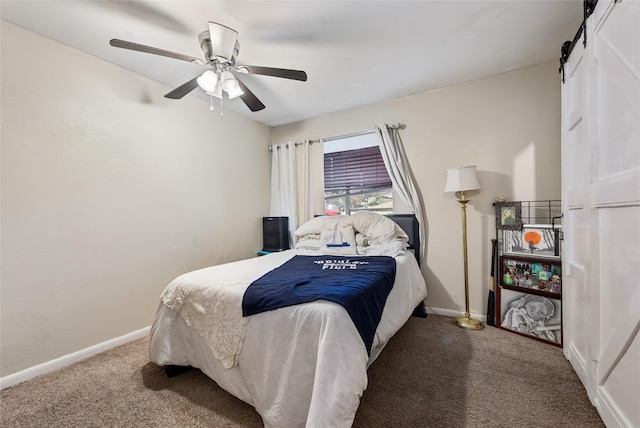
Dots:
{"x": 355, "y": 177}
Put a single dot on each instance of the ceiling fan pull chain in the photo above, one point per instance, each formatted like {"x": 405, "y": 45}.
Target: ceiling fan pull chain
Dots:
{"x": 211, "y": 106}
{"x": 221, "y": 112}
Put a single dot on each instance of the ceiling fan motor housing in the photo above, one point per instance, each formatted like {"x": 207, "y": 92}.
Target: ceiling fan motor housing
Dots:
{"x": 205, "y": 45}
{"x": 219, "y": 43}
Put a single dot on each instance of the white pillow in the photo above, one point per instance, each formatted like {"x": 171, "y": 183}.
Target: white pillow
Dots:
{"x": 378, "y": 228}
{"x": 309, "y": 242}
{"x": 362, "y": 240}
{"x": 391, "y": 249}
{"x": 343, "y": 235}
{"x": 318, "y": 224}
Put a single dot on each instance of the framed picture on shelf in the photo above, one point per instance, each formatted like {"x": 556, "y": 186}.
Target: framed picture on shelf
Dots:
{"x": 543, "y": 275}
{"x": 508, "y": 215}
{"x": 540, "y": 240}
{"x": 539, "y": 317}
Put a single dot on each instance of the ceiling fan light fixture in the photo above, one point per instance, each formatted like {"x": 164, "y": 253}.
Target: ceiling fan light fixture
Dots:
{"x": 208, "y": 81}
{"x": 229, "y": 83}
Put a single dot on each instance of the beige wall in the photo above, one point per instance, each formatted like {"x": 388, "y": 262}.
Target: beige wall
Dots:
{"x": 109, "y": 191}
{"x": 508, "y": 125}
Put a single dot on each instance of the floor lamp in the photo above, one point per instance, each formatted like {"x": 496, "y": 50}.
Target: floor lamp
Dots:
{"x": 460, "y": 180}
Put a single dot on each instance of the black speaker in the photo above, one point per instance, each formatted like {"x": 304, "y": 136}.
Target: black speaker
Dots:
{"x": 275, "y": 233}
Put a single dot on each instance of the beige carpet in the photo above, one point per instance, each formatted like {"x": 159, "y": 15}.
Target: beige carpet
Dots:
{"x": 432, "y": 374}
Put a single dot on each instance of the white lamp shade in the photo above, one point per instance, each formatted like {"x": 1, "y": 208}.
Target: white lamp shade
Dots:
{"x": 217, "y": 92}
{"x": 235, "y": 93}
{"x": 461, "y": 179}
{"x": 208, "y": 81}
{"x": 229, "y": 83}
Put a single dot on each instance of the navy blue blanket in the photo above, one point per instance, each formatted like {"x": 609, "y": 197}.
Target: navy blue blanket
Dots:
{"x": 360, "y": 284}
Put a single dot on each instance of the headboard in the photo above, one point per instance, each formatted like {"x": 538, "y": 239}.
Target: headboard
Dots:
{"x": 409, "y": 223}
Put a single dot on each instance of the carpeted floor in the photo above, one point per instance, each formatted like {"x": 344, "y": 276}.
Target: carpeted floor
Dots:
{"x": 431, "y": 374}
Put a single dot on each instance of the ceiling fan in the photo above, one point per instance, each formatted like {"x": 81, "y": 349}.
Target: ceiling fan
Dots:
{"x": 220, "y": 47}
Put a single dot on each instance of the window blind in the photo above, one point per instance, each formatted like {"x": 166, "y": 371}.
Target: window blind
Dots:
{"x": 359, "y": 168}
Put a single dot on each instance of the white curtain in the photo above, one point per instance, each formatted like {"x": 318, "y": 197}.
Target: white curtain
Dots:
{"x": 397, "y": 165}
{"x": 297, "y": 182}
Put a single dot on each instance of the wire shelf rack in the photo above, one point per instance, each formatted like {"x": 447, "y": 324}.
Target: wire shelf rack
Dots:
{"x": 542, "y": 212}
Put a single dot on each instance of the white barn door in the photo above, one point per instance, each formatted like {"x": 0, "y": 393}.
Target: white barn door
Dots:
{"x": 601, "y": 203}
{"x": 579, "y": 312}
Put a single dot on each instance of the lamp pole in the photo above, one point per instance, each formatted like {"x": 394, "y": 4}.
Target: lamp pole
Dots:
{"x": 466, "y": 321}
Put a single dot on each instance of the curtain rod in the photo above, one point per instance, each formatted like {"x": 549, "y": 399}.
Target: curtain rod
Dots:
{"x": 353, "y": 134}
{"x": 356, "y": 134}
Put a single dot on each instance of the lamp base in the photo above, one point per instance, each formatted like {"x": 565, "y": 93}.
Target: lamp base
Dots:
{"x": 468, "y": 323}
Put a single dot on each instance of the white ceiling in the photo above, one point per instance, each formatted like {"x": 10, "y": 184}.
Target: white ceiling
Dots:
{"x": 354, "y": 52}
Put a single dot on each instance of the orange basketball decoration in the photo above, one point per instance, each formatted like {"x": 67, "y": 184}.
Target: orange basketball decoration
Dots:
{"x": 532, "y": 237}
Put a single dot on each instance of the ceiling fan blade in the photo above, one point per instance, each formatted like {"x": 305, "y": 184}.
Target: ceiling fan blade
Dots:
{"x": 249, "y": 98}
{"x": 155, "y": 51}
{"x": 275, "y": 72}
{"x": 183, "y": 90}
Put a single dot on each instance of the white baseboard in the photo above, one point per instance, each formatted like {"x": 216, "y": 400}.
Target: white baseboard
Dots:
{"x": 49, "y": 366}
{"x": 610, "y": 412}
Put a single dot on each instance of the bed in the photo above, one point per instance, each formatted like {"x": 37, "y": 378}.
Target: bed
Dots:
{"x": 299, "y": 365}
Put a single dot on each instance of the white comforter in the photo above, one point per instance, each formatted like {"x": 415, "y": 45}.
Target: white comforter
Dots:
{"x": 303, "y": 365}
